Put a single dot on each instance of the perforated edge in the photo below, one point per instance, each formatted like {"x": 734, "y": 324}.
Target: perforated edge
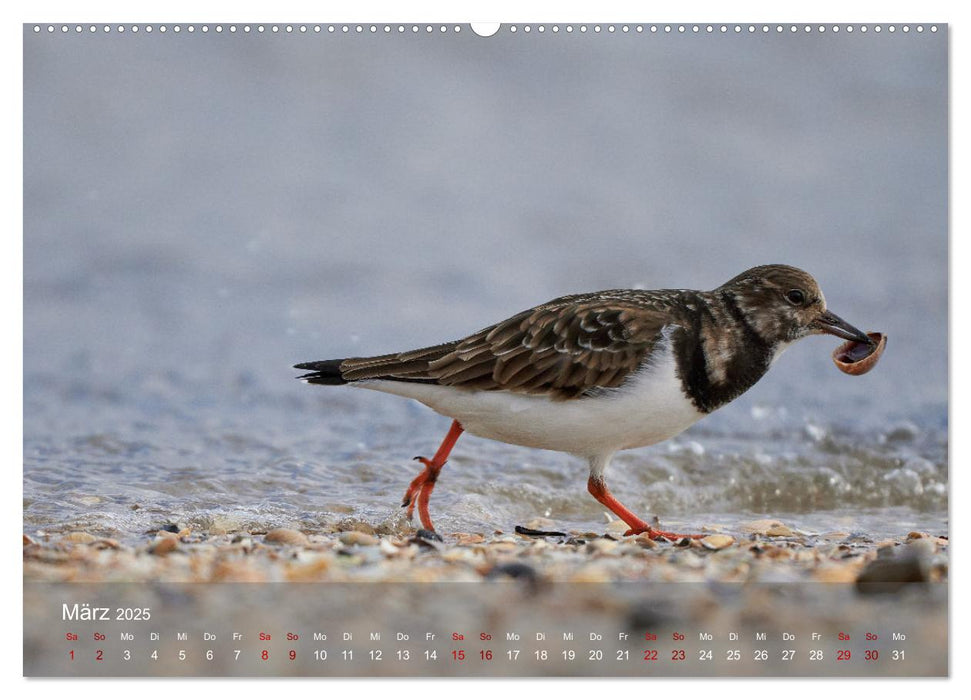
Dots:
{"x": 508, "y": 29}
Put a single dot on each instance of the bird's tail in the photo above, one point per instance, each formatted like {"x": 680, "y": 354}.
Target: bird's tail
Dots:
{"x": 411, "y": 366}
{"x": 322, "y": 372}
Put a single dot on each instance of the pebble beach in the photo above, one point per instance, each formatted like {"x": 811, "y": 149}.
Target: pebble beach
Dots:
{"x": 753, "y": 551}
{"x": 751, "y": 577}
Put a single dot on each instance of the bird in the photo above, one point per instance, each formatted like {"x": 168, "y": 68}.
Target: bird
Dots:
{"x": 596, "y": 373}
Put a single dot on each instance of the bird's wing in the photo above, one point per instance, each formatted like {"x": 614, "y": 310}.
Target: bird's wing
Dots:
{"x": 563, "y": 349}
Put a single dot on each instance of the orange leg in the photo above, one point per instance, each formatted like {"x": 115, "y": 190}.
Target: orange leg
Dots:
{"x": 598, "y": 489}
{"x": 420, "y": 489}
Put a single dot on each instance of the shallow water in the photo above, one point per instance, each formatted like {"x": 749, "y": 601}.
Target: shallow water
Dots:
{"x": 201, "y": 213}
{"x": 347, "y": 454}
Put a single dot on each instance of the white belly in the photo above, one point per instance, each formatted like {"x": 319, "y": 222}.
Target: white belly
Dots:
{"x": 649, "y": 409}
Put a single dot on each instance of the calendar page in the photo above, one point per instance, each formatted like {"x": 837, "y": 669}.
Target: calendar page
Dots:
{"x": 622, "y": 350}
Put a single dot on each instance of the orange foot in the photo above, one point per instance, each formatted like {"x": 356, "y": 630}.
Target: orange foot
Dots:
{"x": 421, "y": 487}
{"x": 658, "y": 534}
{"x": 598, "y": 489}
{"x": 420, "y": 490}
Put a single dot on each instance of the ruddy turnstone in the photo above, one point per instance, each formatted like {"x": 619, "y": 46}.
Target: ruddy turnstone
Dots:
{"x": 592, "y": 374}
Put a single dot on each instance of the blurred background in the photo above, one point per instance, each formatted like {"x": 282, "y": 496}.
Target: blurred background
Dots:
{"x": 203, "y": 211}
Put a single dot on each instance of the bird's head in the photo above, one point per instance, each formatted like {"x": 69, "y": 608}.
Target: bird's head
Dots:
{"x": 783, "y": 303}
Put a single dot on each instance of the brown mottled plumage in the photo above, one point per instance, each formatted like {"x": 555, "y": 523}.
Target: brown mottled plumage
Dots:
{"x": 563, "y": 348}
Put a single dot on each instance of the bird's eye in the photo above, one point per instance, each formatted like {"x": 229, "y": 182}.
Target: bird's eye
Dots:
{"x": 796, "y": 297}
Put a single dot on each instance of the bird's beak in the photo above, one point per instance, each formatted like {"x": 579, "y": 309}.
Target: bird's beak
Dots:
{"x": 828, "y": 322}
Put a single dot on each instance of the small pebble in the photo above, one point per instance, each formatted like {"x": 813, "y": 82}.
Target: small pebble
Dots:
{"x": 284, "y": 535}
{"x": 357, "y": 526}
{"x": 238, "y": 572}
{"x": 646, "y": 542}
{"x": 500, "y": 547}
{"x": 311, "y": 570}
{"x": 513, "y": 570}
{"x": 765, "y": 527}
{"x": 78, "y": 537}
{"x": 518, "y": 571}
{"x": 400, "y": 550}
{"x": 922, "y": 548}
{"x": 358, "y": 538}
{"x": 836, "y": 573}
{"x": 224, "y": 524}
{"x": 592, "y": 574}
{"x": 717, "y": 542}
{"x": 164, "y": 545}
{"x": 890, "y": 574}
{"x": 601, "y": 546}
{"x": 467, "y": 539}
{"x": 457, "y": 554}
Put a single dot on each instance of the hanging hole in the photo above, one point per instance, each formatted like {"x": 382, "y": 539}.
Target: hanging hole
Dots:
{"x": 485, "y": 28}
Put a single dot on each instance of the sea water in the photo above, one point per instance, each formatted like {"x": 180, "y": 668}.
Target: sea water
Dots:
{"x": 200, "y": 213}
